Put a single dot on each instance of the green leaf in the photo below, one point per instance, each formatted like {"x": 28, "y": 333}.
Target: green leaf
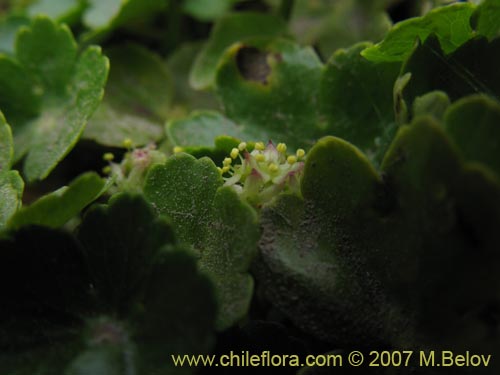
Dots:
{"x": 11, "y": 192}
{"x": 471, "y": 69}
{"x": 70, "y": 88}
{"x": 204, "y": 11}
{"x": 143, "y": 278}
{"x": 434, "y": 103}
{"x": 124, "y": 297}
{"x": 200, "y": 130}
{"x": 187, "y": 201}
{"x": 486, "y": 18}
{"x": 138, "y": 95}
{"x": 9, "y": 26}
{"x": 272, "y": 88}
{"x": 450, "y": 24}
{"x": 104, "y": 16}
{"x": 473, "y": 123}
{"x": 6, "y": 145}
{"x": 19, "y": 99}
{"x": 121, "y": 242}
{"x": 55, "y": 209}
{"x": 186, "y": 98}
{"x": 180, "y": 310}
{"x": 301, "y": 268}
{"x": 67, "y": 11}
{"x": 215, "y": 222}
{"x": 227, "y": 31}
{"x": 330, "y": 25}
{"x": 334, "y": 251}
{"x": 363, "y": 113}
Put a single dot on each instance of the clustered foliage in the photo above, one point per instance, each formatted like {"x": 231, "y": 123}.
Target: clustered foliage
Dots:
{"x": 192, "y": 177}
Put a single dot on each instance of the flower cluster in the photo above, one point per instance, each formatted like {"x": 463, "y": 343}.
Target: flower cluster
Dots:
{"x": 260, "y": 174}
{"x": 129, "y": 175}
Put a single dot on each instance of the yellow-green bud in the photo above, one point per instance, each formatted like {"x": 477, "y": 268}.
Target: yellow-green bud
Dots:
{"x": 127, "y": 143}
{"x": 281, "y": 148}
{"x": 178, "y": 149}
{"x": 273, "y": 167}
{"x": 291, "y": 159}
{"x": 108, "y": 156}
{"x": 300, "y": 153}
{"x": 260, "y": 158}
{"x": 259, "y": 146}
{"x": 234, "y": 153}
{"x": 242, "y": 146}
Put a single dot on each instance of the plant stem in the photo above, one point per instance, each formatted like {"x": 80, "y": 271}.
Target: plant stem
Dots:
{"x": 286, "y": 9}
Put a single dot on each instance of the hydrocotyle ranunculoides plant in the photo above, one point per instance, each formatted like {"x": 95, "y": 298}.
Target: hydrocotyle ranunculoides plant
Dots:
{"x": 263, "y": 172}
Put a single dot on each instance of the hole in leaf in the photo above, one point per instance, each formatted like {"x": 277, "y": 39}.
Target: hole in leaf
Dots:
{"x": 252, "y": 64}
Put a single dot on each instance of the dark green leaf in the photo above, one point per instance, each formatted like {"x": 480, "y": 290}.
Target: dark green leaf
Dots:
{"x": 473, "y": 123}
{"x": 486, "y": 18}
{"x": 138, "y": 95}
{"x": 450, "y": 24}
{"x": 44, "y": 287}
{"x": 55, "y": 209}
{"x": 356, "y": 98}
{"x": 121, "y": 241}
{"x": 434, "y": 103}
{"x": 207, "y": 11}
{"x": 331, "y": 25}
{"x": 104, "y": 16}
{"x": 9, "y": 26}
{"x": 471, "y": 69}
{"x": 302, "y": 270}
{"x": 228, "y": 30}
{"x": 272, "y": 88}
{"x": 186, "y": 98}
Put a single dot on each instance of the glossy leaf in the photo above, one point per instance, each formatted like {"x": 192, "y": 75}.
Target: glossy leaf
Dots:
{"x": 137, "y": 99}
{"x": 213, "y": 220}
{"x": 281, "y": 80}
{"x": 450, "y": 24}
{"x": 55, "y": 209}
{"x": 227, "y": 31}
